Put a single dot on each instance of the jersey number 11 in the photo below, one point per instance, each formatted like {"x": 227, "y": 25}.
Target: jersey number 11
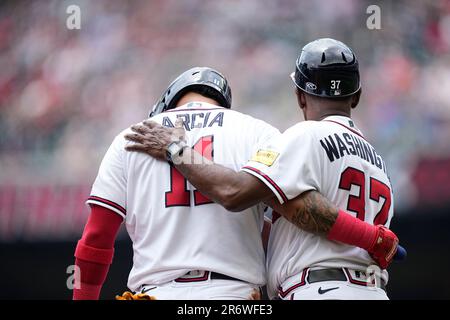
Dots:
{"x": 179, "y": 196}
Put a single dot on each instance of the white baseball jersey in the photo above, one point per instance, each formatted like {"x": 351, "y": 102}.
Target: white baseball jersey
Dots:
{"x": 332, "y": 157}
{"x": 173, "y": 227}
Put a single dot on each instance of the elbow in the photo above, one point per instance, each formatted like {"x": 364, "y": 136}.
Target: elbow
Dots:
{"x": 231, "y": 200}
{"x": 93, "y": 237}
{"x": 232, "y": 206}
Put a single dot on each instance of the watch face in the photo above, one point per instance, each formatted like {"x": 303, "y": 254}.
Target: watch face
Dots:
{"x": 173, "y": 148}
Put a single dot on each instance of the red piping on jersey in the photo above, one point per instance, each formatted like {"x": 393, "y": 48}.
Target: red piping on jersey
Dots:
{"x": 108, "y": 202}
{"x": 275, "y": 216}
{"x": 295, "y": 286}
{"x": 267, "y": 178}
{"x": 354, "y": 281}
{"x": 208, "y": 109}
{"x": 354, "y": 131}
{"x": 201, "y": 278}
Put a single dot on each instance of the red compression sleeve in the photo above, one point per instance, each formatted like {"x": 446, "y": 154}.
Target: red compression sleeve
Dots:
{"x": 350, "y": 230}
{"x": 94, "y": 252}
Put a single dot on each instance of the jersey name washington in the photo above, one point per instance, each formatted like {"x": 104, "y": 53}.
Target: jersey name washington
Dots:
{"x": 346, "y": 144}
{"x": 196, "y": 120}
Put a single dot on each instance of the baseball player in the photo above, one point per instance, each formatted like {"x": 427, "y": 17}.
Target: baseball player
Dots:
{"x": 326, "y": 153}
{"x": 185, "y": 246}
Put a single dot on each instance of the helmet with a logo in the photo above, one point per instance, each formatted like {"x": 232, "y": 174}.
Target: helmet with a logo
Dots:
{"x": 327, "y": 68}
{"x": 206, "y": 81}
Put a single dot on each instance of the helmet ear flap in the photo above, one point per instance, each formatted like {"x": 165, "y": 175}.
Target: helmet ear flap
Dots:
{"x": 157, "y": 109}
{"x": 160, "y": 106}
{"x": 355, "y": 98}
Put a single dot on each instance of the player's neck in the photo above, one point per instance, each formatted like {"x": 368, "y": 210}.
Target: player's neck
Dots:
{"x": 317, "y": 113}
{"x": 333, "y": 113}
{"x": 195, "y": 97}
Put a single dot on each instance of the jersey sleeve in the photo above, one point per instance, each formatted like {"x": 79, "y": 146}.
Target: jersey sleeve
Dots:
{"x": 109, "y": 188}
{"x": 289, "y": 163}
{"x": 265, "y": 132}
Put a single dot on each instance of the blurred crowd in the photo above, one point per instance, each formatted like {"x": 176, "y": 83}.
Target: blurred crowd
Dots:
{"x": 65, "y": 94}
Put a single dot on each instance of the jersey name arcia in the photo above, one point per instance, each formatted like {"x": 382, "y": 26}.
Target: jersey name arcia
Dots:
{"x": 196, "y": 120}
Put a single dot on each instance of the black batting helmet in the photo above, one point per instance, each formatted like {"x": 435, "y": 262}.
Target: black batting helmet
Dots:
{"x": 206, "y": 81}
{"x": 327, "y": 68}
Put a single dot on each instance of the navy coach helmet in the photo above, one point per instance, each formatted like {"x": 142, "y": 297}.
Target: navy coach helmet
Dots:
{"x": 203, "y": 80}
{"x": 327, "y": 68}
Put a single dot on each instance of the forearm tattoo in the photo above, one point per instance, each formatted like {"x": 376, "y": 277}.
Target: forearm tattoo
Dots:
{"x": 314, "y": 213}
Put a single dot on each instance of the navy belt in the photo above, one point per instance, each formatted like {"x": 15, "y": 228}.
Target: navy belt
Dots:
{"x": 207, "y": 275}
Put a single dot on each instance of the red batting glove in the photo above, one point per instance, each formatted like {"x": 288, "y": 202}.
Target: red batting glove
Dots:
{"x": 384, "y": 247}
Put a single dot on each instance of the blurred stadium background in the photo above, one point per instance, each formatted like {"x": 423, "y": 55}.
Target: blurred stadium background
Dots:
{"x": 64, "y": 95}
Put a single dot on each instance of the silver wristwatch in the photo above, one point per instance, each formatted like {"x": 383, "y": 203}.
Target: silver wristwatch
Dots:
{"x": 175, "y": 150}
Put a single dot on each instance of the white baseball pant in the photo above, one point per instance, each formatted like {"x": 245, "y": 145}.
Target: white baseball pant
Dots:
{"x": 198, "y": 285}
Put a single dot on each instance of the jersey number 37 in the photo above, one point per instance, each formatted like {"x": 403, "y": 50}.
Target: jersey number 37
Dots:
{"x": 377, "y": 190}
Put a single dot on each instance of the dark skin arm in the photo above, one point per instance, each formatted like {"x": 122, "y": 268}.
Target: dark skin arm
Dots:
{"x": 236, "y": 191}
{"x": 309, "y": 211}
